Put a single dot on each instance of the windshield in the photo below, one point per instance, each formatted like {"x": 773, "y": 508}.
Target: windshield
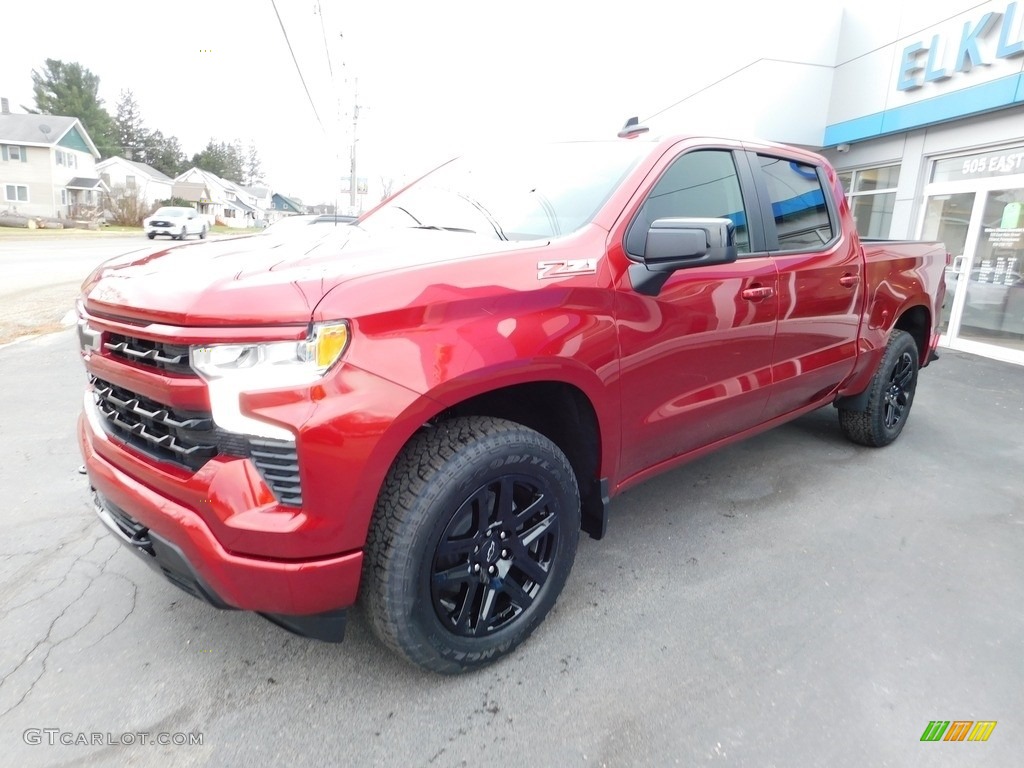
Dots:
{"x": 169, "y": 212}
{"x": 514, "y": 194}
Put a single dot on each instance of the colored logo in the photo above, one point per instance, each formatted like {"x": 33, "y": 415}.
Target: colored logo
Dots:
{"x": 958, "y": 730}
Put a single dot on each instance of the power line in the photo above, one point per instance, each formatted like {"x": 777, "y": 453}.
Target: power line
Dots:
{"x": 320, "y": 13}
{"x": 297, "y": 67}
{"x": 726, "y": 77}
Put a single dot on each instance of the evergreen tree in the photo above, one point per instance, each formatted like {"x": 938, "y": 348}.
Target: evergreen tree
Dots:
{"x": 132, "y": 136}
{"x": 253, "y": 167}
{"x": 165, "y": 154}
{"x": 222, "y": 159}
{"x": 70, "y": 90}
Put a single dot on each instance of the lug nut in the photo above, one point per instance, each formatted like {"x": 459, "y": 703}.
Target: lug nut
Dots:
{"x": 492, "y": 570}
{"x": 504, "y": 535}
{"x": 476, "y": 567}
{"x": 504, "y": 553}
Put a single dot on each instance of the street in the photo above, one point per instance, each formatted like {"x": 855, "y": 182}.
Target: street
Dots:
{"x": 793, "y": 600}
{"x": 41, "y": 273}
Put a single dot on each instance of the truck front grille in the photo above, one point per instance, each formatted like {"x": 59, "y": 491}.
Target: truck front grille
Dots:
{"x": 278, "y": 462}
{"x": 185, "y": 438}
{"x": 154, "y": 354}
{"x": 190, "y": 438}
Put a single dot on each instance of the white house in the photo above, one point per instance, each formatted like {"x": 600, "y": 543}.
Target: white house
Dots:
{"x": 47, "y": 166}
{"x": 223, "y": 201}
{"x": 151, "y": 184}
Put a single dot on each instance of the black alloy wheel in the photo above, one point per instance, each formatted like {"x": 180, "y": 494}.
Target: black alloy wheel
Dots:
{"x": 890, "y": 395}
{"x": 494, "y": 557}
{"x": 472, "y": 539}
{"x": 900, "y": 390}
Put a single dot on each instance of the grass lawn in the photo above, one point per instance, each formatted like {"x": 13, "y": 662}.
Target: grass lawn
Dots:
{"x": 18, "y": 232}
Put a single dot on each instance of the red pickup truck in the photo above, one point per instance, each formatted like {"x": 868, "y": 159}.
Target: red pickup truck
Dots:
{"x": 422, "y": 410}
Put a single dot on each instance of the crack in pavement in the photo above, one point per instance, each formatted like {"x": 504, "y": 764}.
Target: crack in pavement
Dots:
{"x": 42, "y": 649}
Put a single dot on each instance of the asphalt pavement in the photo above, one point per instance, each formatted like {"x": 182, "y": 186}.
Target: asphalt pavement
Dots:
{"x": 41, "y": 273}
{"x": 793, "y": 600}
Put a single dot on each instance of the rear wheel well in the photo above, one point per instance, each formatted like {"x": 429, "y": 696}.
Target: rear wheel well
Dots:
{"x": 564, "y": 415}
{"x": 917, "y": 322}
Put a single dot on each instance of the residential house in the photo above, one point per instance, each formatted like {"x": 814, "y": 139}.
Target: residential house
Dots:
{"x": 222, "y": 201}
{"x": 119, "y": 173}
{"x": 285, "y": 206}
{"x": 47, "y": 166}
{"x": 264, "y": 197}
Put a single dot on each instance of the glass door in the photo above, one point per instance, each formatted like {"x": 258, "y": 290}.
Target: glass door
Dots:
{"x": 974, "y": 204}
{"x": 993, "y": 300}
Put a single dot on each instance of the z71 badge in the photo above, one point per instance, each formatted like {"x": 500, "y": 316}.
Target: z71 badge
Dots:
{"x": 546, "y": 269}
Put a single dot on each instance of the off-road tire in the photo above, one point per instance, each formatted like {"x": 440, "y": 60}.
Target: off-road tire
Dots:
{"x": 891, "y": 394}
{"x": 422, "y": 520}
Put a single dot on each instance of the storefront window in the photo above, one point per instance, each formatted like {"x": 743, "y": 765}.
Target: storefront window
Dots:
{"x": 872, "y": 196}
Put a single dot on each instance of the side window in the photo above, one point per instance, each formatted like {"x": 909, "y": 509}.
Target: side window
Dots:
{"x": 700, "y": 184}
{"x": 799, "y": 204}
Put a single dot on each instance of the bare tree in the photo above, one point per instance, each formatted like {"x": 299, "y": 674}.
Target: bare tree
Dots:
{"x": 386, "y": 183}
{"x": 126, "y": 207}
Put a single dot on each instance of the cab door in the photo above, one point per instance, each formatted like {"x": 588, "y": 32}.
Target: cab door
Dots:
{"x": 821, "y": 282}
{"x": 696, "y": 357}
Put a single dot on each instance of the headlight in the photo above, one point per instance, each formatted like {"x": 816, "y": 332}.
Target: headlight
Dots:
{"x": 230, "y": 369}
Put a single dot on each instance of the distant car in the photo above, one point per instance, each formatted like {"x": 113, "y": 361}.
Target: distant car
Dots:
{"x": 177, "y": 223}
{"x": 299, "y": 223}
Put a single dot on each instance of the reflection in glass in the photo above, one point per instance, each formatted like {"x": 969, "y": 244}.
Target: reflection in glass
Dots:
{"x": 873, "y": 214}
{"x": 946, "y": 218}
{"x": 994, "y": 305}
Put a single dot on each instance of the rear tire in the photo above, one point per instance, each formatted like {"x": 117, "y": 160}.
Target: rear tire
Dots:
{"x": 202, "y": 233}
{"x": 891, "y": 394}
{"x": 151, "y": 235}
{"x": 473, "y": 537}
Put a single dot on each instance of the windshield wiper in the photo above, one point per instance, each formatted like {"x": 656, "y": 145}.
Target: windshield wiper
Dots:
{"x": 445, "y": 229}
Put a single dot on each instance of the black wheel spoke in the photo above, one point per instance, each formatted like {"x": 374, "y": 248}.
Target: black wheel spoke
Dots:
{"x": 505, "y": 501}
{"x": 464, "y": 611}
{"x": 531, "y": 509}
{"x": 534, "y": 532}
{"x": 456, "y": 547}
{"x": 517, "y": 594}
{"x": 529, "y": 567}
{"x": 484, "y": 618}
{"x": 452, "y": 576}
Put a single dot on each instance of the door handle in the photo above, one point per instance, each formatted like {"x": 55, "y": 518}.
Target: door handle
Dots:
{"x": 848, "y": 281}
{"x": 756, "y": 294}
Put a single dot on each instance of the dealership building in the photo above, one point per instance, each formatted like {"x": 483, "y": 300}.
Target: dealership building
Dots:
{"x": 921, "y": 109}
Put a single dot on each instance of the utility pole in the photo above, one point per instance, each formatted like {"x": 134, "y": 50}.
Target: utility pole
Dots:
{"x": 352, "y": 171}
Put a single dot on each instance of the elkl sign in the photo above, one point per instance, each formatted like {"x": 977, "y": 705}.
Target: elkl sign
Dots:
{"x": 932, "y": 61}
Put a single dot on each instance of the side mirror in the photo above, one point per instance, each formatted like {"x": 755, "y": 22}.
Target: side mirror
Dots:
{"x": 680, "y": 243}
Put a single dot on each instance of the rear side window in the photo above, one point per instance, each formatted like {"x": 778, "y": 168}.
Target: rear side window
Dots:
{"x": 799, "y": 205}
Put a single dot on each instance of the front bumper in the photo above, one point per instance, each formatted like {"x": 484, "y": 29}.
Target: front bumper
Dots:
{"x": 169, "y": 561}
{"x": 169, "y": 231}
{"x": 186, "y": 551}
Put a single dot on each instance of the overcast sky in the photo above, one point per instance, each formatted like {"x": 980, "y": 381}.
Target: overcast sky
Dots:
{"x": 433, "y": 77}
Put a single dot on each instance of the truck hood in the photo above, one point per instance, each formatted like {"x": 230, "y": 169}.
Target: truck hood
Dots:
{"x": 264, "y": 280}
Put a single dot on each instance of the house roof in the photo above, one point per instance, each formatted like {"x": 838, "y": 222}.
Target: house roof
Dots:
{"x": 194, "y": 192}
{"x": 145, "y": 170}
{"x": 290, "y": 202}
{"x": 240, "y": 205}
{"x": 82, "y": 182}
{"x": 41, "y": 130}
